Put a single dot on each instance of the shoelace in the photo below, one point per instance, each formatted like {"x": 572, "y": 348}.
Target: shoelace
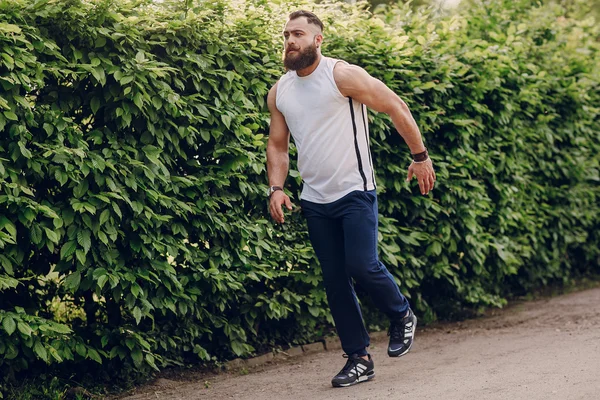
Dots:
{"x": 396, "y": 331}
{"x": 350, "y": 364}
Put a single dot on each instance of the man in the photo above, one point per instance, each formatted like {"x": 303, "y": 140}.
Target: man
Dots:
{"x": 321, "y": 102}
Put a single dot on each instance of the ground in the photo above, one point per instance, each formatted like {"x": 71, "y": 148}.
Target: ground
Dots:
{"x": 543, "y": 349}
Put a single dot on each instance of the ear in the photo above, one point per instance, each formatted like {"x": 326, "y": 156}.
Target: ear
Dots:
{"x": 319, "y": 39}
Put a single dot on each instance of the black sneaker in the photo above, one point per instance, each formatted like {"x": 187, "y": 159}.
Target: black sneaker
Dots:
{"x": 355, "y": 371}
{"x": 402, "y": 333}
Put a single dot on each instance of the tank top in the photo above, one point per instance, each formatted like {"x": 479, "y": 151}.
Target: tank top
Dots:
{"x": 330, "y": 132}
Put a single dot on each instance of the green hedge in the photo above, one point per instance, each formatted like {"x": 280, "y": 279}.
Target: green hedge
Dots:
{"x": 134, "y": 231}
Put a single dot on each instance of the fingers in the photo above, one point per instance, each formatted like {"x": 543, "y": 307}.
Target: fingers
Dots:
{"x": 423, "y": 186}
{"x": 410, "y": 174}
{"x": 288, "y": 203}
{"x": 425, "y": 176}
{"x": 275, "y": 206}
{"x": 428, "y": 183}
{"x": 276, "y": 212}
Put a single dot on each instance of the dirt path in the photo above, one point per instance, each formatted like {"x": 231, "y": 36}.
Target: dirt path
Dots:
{"x": 545, "y": 349}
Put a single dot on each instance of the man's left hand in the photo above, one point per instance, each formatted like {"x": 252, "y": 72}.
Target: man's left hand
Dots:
{"x": 424, "y": 173}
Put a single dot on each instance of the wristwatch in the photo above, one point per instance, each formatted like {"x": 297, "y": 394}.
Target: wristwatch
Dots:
{"x": 273, "y": 189}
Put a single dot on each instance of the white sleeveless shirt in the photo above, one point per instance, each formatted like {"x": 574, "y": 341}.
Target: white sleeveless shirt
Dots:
{"x": 330, "y": 131}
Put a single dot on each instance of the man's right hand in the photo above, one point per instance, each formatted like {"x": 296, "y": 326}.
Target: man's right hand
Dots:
{"x": 276, "y": 202}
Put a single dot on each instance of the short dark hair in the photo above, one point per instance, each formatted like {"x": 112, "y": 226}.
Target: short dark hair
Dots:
{"x": 310, "y": 17}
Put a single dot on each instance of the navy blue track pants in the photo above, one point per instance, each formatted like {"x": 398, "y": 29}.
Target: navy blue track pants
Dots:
{"x": 344, "y": 237}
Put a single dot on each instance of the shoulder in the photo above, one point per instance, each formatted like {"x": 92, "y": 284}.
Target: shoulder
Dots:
{"x": 344, "y": 71}
{"x": 273, "y": 90}
{"x": 349, "y": 77}
{"x": 272, "y": 96}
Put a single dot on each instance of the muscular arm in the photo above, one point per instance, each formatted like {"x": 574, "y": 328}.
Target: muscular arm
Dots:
{"x": 277, "y": 157}
{"x": 278, "y": 144}
{"x": 355, "y": 82}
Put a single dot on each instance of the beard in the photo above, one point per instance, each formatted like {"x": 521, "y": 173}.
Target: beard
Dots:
{"x": 302, "y": 59}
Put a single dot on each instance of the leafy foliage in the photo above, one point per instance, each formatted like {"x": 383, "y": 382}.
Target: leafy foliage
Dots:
{"x": 132, "y": 172}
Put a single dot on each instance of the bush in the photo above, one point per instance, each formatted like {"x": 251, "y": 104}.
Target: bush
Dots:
{"x": 133, "y": 221}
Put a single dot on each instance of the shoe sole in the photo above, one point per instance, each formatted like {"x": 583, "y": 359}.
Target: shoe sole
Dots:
{"x": 364, "y": 378}
{"x": 411, "y": 343}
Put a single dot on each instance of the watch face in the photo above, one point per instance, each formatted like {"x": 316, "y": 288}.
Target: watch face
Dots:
{"x": 269, "y": 191}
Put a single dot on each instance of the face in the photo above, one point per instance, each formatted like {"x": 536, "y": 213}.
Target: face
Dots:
{"x": 301, "y": 46}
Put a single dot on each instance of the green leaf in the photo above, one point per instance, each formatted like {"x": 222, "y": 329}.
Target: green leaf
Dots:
{"x": 140, "y": 57}
{"x": 117, "y": 210}
{"x": 126, "y": 79}
{"x": 98, "y": 272}
{"x": 95, "y": 104}
{"x": 11, "y": 352}
{"x": 54, "y": 353}
{"x": 8, "y": 60}
{"x": 104, "y": 216}
{"x": 77, "y": 54}
{"x": 81, "y": 349}
{"x": 24, "y": 151}
{"x": 151, "y": 362}
{"x": 48, "y": 128}
{"x": 40, "y": 350}
{"x": 7, "y": 264}
{"x": 51, "y": 235}
{"x": 59, "y": 328}
{"x": 137, "y": 357}
{"x": 58, "y": 223}
{"x": 61, "y": 176}
{"x": 135, "y": 290}
{"x": 152, "y": 153}
{"x": 238, "y": 348}
{"x": 93, "y": 354}
{"x": 10, "y": 115}
{"x": 87, "y": 220}
{"x": 80, "y": 255}
{"x": 9, "y": 324}
{"x": 47, "y": 211}
{"x": 138, "y": 101}
{"x": 103, "y": 238}
{"x": 5, "y": 223}
{"x": 81, "y": 188}
{"x": 73, "y": 280}
{"x": 137, "y": 314}
{"x": 89, "y": 208}
{"x": 102, "y": 281}
{"x": 226, "y": 120}
{"x": 205, "y": 135}
{"x": 427, "y": 85}
{"x": 130, "y": 342}
{"x": 85, "y": 240}
{"x": 98, "y": 73}
{"x": 100, "y": 41}
{"x": 68, "y": 249}
{"x": 24, "y": 328}
{"x": 9, "y": 28}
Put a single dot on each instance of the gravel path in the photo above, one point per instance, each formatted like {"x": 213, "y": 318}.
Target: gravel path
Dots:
{"x": 544, "y": 349}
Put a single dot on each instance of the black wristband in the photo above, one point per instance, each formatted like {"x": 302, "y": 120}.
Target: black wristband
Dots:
{"x": 420, "y": 157}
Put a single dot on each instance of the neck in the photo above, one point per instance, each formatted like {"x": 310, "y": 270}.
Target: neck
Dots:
{"x": 310, "y": 69}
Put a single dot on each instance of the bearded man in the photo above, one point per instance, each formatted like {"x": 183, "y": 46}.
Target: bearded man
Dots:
{"x": 321, "y": 101}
